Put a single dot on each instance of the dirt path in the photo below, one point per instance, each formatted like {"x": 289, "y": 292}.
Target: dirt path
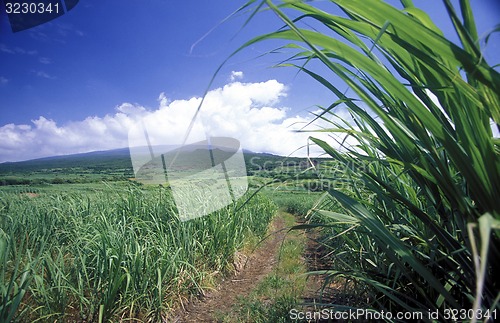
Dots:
{"x": 257, "y": 266}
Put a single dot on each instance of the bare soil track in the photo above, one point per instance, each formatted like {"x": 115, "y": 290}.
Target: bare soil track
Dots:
{"x": 253, "y": 269}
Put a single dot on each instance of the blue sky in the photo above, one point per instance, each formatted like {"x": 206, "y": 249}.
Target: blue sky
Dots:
{"x": 106, "y": 57}
{"x": 103, "y": 53}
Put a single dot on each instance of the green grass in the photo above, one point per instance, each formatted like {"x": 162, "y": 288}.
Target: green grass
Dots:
{"x": 417, "y": 215}
{"x": 101, "y": 253}
{"x": 297, "y": 203}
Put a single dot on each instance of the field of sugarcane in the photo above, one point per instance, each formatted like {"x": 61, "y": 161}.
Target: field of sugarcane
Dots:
{"x": 112, "y": 251}
{"x": 417, "y": 228}
{"x": 409, "y": 215}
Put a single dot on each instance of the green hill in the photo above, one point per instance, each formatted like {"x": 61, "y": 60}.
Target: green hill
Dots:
{"x": 110, "y": 165}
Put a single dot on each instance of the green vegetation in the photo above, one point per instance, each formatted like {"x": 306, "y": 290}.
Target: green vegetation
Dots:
{"x": 416, "y": 219}
{"x": 94, "y": 167}
{"x": 407, "y": 210}
{"x": 80, "y": 240}
{"x": 104, "y": 250}
{"x": 116, "y": 166}
{"x": 99, "y": 253}
{"x": 296, "y": 203}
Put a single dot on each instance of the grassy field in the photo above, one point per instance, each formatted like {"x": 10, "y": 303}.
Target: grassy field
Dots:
{"x": 112, "y": 249}
{"x": 108, "y": 251}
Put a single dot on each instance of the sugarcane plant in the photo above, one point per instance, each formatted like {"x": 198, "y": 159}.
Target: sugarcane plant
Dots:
{"x": 419, "y": 138}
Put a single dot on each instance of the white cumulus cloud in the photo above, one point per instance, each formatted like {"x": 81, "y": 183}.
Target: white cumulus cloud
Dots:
{"x": 249, "y": 112}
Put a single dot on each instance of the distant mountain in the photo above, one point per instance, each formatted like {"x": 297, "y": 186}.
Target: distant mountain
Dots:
{"x": 116, "y": 161}
{"x": 116, "y": 158}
